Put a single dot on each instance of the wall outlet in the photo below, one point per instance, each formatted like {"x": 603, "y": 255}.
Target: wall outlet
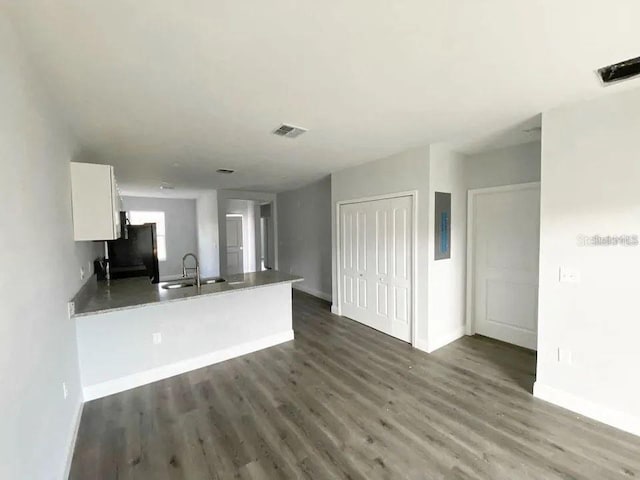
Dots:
{"x": 565, "y": 356}
{"x": 81, "y": 273}
{"x": 65, "y": 392}
{"x": 157, "y": 338}
{"x": 569, "y": 275}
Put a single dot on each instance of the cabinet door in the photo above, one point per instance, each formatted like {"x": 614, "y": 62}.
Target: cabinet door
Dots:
{"x": 92, "y": 199}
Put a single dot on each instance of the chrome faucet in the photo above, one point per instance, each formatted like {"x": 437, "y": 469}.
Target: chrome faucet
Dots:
{"x": 197, "y": 267}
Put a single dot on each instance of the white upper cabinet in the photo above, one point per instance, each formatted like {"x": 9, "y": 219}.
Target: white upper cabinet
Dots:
{"x": 95, "y": 201}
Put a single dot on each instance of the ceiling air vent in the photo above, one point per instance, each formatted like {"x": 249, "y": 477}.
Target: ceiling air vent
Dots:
{"x": 620, "y": 71}
{"x": 289, "y": 131}
{"x": 225, "y": 170}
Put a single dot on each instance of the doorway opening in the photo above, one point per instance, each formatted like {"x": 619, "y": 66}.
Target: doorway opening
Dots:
{"x": 249, "y": 236}
{"x": 503, "y": 233}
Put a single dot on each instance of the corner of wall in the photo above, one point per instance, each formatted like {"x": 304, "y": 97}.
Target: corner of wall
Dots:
{"x": 580, "y": 405}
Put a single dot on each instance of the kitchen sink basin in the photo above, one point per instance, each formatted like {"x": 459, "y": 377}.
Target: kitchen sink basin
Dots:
{"x": 192, "y": 283}
{"x": 173, "y": 286}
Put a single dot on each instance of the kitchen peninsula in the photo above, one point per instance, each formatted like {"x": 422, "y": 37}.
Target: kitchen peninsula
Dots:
{"x": 131, "y": 332}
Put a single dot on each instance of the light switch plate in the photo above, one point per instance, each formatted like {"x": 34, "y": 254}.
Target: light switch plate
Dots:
{"x": 569, "y": 275}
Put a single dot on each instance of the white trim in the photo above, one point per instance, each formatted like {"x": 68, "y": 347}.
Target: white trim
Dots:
{"x": 110, "y": 387}
{"x": 615, "y": 418}
{"x": 444, "y": 339}
{"x": 72, "y": 441}
{"x": 312, "y": 291}
{"x": 336, "y": 308}
{"x": 469, "y": 326}
{"x": 421, "y": 345}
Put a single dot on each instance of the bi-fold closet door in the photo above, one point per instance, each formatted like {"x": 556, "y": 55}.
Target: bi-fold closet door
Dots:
{"x": 376, "y": 264}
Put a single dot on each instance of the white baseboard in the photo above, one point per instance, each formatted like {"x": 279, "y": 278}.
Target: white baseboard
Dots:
{"x": 444, "y": 339}
{"x": 598, "y": 412}
{"x": 110, "y": 387}
{"x": 312, "y": 291}
{"x": 71, "y": 444}
{"x": 421, "y": 345}
{"x": 334, "y": 309}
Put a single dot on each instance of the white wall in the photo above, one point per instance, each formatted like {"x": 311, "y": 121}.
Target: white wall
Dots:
{"x": 591, "y": 185}
{"x": 207, "y": 233}
{"x": 304, "y": 233}
{"x": 116, "y": 352}
{"x": 505, "y": 166}
{"x": 407, "y": 171}
{"x": 41, "y": 265}
{"x": 180, "y": 228}
{"x": 447, "y": 277}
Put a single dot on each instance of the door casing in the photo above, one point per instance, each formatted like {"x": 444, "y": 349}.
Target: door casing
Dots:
{"x": 414, "y": 219}
{"x": 240, "y": 253}
{"x": 470, "y": 327}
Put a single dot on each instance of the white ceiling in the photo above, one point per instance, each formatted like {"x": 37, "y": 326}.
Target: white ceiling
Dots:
{"x": 172, "y": 90}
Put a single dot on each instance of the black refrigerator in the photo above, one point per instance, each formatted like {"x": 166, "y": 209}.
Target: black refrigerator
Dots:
{"x": 135, "y": 254}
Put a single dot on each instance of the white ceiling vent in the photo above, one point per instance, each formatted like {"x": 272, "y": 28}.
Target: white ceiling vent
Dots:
{"x": 289, "y": 131}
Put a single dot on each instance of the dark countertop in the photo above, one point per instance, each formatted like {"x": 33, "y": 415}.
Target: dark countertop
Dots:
{"x": 101, "y": 296}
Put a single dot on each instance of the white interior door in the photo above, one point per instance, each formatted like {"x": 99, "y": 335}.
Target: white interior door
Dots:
{"x": 235, "y": 252}
{"x": 506, "y": 233}
{"x": 376, "y": 259}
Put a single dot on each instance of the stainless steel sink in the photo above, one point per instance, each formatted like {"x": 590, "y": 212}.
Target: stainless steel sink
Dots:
{"x": 173, "y": 286}
{"x": 192, "y": 283}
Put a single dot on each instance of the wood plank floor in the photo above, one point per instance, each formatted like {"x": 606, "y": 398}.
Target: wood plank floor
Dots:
{"x": 344, "y": 401}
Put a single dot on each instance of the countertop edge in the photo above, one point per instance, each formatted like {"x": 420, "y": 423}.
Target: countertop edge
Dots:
{"x": 182, "y": 299}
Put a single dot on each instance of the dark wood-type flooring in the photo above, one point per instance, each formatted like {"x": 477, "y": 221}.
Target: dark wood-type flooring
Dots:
{"x": 345, "y": 401}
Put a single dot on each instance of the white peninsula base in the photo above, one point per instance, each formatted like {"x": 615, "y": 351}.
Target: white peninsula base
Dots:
{"x": 117, "y": 350}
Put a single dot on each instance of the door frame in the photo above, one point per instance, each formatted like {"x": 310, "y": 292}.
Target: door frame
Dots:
{"x": 226, "y": 253}
{"x": 414, "y": 249}
{"x": 470, "y": 327}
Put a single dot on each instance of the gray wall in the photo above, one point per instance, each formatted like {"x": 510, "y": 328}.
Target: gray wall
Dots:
{"x": 41, "y": 272}
{"x": 505, "y": 166}
{"x": 447, "y": 277}
{"x": 407, "y": 171}
{"x": 590, "y": 186}
{"x": 304, "y": 235}
{"x": 180, "y": 225}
